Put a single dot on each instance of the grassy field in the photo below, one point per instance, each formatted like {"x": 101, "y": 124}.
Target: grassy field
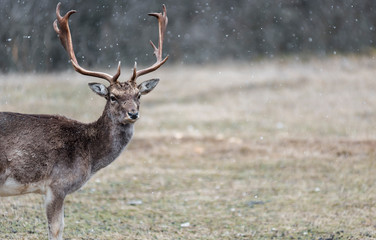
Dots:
{"x": 280, "y": 149}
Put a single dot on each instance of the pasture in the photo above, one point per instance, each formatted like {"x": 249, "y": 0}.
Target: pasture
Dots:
{"x": 275, "y": 149}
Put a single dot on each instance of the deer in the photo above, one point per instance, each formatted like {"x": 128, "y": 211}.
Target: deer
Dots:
{"x": 55, "y": 156}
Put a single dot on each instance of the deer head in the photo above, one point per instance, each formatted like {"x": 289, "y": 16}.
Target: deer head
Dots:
{"x": 123, "y": 98}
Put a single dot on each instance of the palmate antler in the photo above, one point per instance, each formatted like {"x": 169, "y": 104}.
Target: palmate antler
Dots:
{"x": 162, "y": 24}
{"x": 61, "y": 26}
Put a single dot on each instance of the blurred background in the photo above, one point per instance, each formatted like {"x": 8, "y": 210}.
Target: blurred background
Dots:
{"x": 105, "y": 32}
{"x": 262, "y": 126}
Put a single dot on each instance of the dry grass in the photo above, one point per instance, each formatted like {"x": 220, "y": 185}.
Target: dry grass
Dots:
{"x": 283, "y": 149}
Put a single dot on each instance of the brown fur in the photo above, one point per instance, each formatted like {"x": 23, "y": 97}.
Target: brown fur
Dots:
{"x": 55, "y": 156}
{"x": 62, "y": 144}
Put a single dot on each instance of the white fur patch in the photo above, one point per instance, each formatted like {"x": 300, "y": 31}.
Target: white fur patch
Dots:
{"x": 49, "y": 197}
{"x": 11, "y": 187}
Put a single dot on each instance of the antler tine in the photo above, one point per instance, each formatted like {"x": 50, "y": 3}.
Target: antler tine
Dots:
{"x": 61, "y": 26}
{"x": 162, "y": 24}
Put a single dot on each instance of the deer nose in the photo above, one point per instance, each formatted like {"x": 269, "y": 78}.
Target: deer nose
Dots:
{"x": 133, "y": 115}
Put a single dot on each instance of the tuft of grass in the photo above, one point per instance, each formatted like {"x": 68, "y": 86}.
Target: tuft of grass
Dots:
{"x": 267, "y": 150}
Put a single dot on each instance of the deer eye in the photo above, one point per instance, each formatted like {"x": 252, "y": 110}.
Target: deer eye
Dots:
{"x": 139, "y": 96}
{"x": 112, "y": 98}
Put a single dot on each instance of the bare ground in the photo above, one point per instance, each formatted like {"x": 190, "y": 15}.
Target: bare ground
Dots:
{"x": 269, "y": 150}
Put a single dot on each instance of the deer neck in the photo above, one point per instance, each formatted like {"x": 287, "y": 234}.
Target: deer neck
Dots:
{"x": 108, "y": 140}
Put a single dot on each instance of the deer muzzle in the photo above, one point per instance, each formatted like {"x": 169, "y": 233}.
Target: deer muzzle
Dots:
{"x": 133, "y": 115}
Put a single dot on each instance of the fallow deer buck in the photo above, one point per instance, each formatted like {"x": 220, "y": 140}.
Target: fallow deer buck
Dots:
{"x": 54, "y": 155}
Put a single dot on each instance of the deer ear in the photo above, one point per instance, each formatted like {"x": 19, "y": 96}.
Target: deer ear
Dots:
{"x": 99, "y": 89}
{"x": 147, "y": 86}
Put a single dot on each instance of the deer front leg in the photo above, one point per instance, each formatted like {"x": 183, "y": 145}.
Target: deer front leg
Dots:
{"x": 55, "y": 214}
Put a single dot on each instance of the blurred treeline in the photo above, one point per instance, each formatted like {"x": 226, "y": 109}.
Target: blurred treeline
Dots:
{"x": 105, "y": 31}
